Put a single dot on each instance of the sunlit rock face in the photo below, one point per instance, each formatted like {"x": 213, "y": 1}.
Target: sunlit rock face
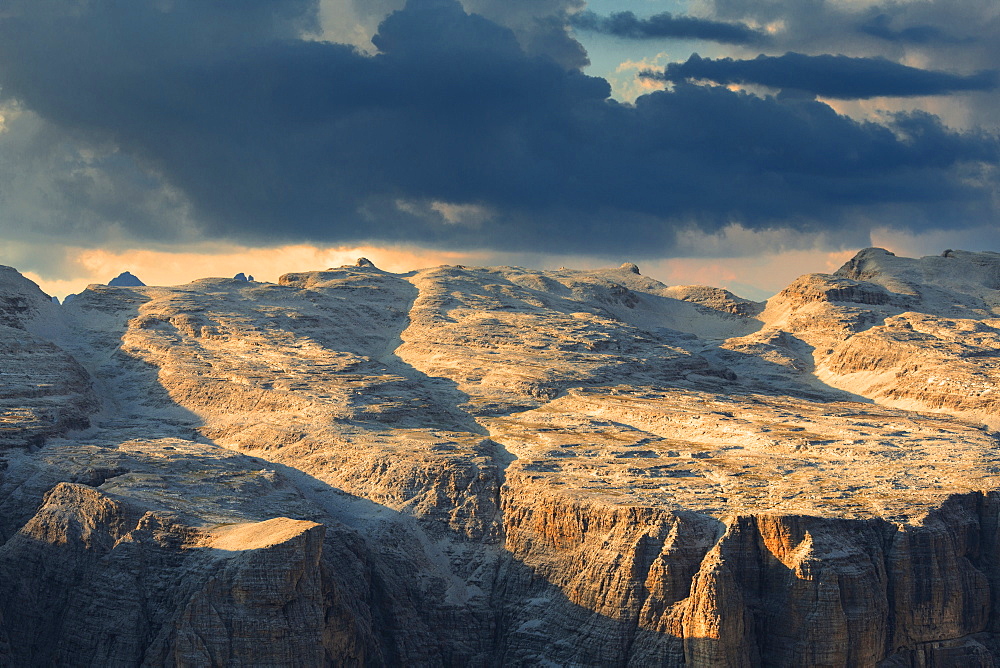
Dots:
{"x": 917, "y": 334}
{"x": 499, "y": 466}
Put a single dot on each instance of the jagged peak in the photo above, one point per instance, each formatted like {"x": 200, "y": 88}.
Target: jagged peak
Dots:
{"x": 11, "y": 278}
{"x": 126, "y": 279}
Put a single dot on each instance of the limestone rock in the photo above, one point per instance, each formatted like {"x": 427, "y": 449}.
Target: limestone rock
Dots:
{"x": 918, "y": 334}
{"x": 97, "y": 576}
{"x": 21, "y": 301}
{"x": 500, "y": 466}
{"x": 126, "y": 280}
{"x": 716, "y": 299}
{"x": 43, "y": 390}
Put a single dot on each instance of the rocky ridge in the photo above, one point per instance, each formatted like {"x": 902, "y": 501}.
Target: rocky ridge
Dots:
{"x": 496, "y": 466}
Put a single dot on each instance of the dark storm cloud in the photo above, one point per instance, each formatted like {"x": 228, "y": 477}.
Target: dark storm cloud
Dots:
{"x": 962, "y": 33}
{"x": 880, "y": 26}
{"x": 271, "y": 138}
{"x": 837, "y": 77}
{"x": 665, "y": 25}
{"x": 541, "y": 26}
{"x": 945, "y": 35}
{"x": 51, "y": 188}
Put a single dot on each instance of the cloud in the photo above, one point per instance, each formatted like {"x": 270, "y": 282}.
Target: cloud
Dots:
{"x": 229, "y": 125}
{"x": 626, "y": 85}
{"x": 880, "y": 26}
{"x": 954, "y": 34}
{"x": 836, "y": 77}
{"x": 943, "y": 35}
{"x": 541, "y": 26}
{"x": 758, "y": 277}
{"x": 53, "y": 186}
{"x": 79, "y": 267}
{"x": 668, "y": 26}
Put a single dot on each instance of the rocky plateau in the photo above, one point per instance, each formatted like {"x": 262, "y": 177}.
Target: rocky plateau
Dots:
{"x": 498, "y": 466}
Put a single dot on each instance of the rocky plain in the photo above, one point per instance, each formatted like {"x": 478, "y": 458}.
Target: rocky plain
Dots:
{"x": 498, "y": 466}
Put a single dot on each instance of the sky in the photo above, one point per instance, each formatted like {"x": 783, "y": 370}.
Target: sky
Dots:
{"x": 736, "y": 143}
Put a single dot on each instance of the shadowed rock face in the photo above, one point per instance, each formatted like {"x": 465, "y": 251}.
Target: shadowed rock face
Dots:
{"x": 43, "y": 391}
{"x": 127, "y": 280}
{"x": 497, "y": 466}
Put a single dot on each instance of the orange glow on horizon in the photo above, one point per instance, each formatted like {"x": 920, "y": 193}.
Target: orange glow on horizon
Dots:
{"x": 755, "y": 277}
{"x": 154, "y": 267}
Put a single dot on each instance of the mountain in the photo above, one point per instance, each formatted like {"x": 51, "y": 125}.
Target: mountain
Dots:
{"x": 500, "y": 466}
{"x": 123, "y": 280}
{"x": 126, "y": 280}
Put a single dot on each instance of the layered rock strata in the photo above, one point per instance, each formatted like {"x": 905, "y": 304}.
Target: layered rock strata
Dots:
{"x": 497, "y": 466}
{"x": 43, "y": 391}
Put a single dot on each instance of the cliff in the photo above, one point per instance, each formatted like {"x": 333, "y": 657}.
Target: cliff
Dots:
{"x": 498, "y": 466}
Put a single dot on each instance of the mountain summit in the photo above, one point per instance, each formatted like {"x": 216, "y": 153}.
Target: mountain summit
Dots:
{"x": 126, "y": 280}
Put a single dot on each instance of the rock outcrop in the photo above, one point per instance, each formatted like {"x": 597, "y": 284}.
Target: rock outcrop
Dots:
{"x": 498, "y": 466}
{"x": 918, "y": 334}
{"x": 126, "y": 279}
{"x": 43, "y": 391}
